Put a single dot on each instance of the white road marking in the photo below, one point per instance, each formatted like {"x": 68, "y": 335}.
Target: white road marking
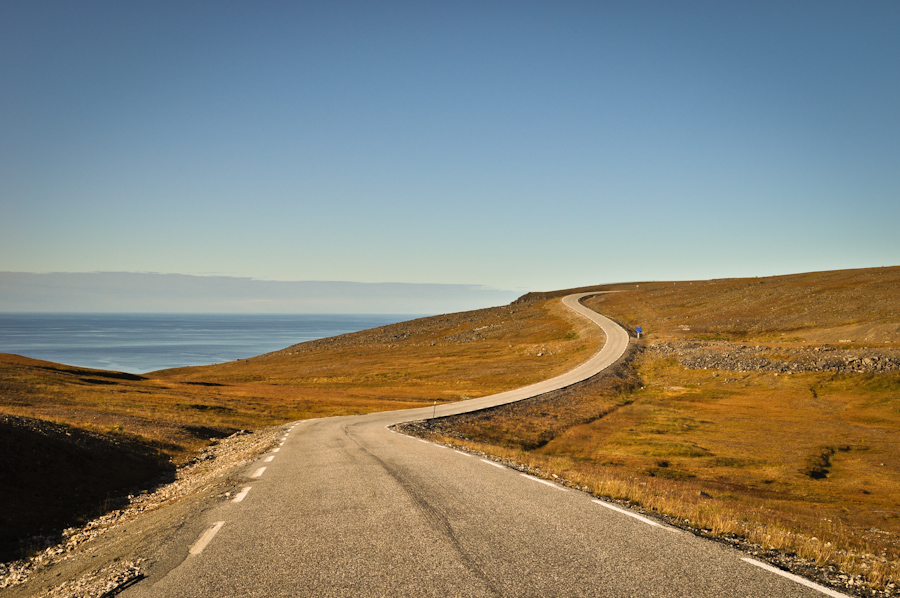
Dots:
{"x": 494, "y": 464}
{"x": 534, "y": 479}
{"x": 626, "y": 512}
{"x": 242, "y": 494}
{"x": 269, "y": 458}
{"x": 275, "y": 450}
{"x": 198, "y": 546}
{"x": 258, "y": 472}
{"x": 462, "y": 453}
{"x": 425, "y": 441}
{"x": 795, "y": 578}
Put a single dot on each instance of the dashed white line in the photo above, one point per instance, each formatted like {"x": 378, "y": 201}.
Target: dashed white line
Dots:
{"x": 242, "y": 494}
{"x": 258, "y": 472}
{"x": 795, "y": 578}
{"x": 545, "y": 482}
{"x": 269, "y": 458}
{"x": 275, "y": 450}
{"x": 200, "y": 544}
{"x": 492, "y": 463}
{"x": 626, "y": 512}
{"x": 462, "y": 453}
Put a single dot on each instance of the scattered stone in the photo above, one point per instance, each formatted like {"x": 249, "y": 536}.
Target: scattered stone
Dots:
{"x": 739, "y": 357}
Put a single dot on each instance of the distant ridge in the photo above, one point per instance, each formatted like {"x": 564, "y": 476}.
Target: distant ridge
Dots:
{"x": 131, "y": 292}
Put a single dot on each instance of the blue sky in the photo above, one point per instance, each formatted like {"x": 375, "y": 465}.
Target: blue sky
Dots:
{"x": 518, "y": 145}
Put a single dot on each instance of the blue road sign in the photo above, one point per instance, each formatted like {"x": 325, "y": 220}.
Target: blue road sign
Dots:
{"x": 638, "y": 329}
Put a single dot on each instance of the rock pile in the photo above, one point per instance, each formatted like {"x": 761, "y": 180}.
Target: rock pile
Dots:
{"x": 740, "y": 357}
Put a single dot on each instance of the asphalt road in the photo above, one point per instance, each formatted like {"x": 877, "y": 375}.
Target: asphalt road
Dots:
{"x": 348, "y": 508}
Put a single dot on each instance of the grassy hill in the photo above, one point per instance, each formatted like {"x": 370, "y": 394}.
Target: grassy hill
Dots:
{"x": 764, "y": 412}
{"x": 170, "y": 415}
{"x": 409, "y": 364}
{"x": 761, "y": 411}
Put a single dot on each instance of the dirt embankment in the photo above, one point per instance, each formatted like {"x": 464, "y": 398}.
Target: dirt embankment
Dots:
{"x": 56, "y": 476}
{"x": 106, "y": 554}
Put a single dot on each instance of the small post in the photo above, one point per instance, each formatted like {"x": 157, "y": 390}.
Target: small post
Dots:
{"x": 434, "y": 410}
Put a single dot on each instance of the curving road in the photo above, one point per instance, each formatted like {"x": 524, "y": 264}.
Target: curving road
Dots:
{"x": 345, "y": 507}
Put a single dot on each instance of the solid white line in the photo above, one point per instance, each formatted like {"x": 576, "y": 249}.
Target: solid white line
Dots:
{"x": 494, "y": 464}
{"x": 269, "y": 458}
{"x": 795, "y": 578}
{"x": 276, "y": 450}
{"x": 198, "y": 547}
{"x": 534, "y": 479}
{"x": 626, "y": 512}
{"x": 242, "y": 494}
{"x": 258, "y": 472}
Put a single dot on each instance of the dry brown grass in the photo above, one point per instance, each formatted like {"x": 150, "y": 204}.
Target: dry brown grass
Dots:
{"x": 805, "y": 463}
{"x": 819, "y": 307}
{"x": 444, "y": 358}
{"x": 731, "y": 457}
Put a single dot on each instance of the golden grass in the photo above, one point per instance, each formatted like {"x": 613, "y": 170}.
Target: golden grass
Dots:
{"x": 856, "y": 305}
{"x": 444, "y": 358}
{"x": 805, "y": 463}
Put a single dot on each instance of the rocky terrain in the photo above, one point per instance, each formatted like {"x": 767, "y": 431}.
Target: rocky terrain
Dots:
{"x": 742, "y": 357}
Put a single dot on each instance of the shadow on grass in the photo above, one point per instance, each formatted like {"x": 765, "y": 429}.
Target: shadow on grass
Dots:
{"x": 54, "y": 477}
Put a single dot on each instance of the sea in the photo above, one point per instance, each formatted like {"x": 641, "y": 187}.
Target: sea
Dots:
{"x": 141, "y": 343}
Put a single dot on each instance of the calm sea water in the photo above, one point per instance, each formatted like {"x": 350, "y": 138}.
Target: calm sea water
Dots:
{"x": 139, "y": 343}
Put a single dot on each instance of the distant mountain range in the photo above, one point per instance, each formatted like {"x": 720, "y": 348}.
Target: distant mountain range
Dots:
{"x": 123, "y": 292}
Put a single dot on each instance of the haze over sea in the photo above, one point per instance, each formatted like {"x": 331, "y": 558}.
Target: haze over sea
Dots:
{"x": 139, "y": 343}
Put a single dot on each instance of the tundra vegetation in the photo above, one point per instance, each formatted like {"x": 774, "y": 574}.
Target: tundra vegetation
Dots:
{"x": 760, "y": 411}
{"x": 77, "y": 439}
{"x": 731, "y": 416}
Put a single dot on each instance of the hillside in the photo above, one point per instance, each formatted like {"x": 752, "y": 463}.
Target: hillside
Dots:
{"x": 174, "y": 414}
{"x": 857, "y": 306}
{"x": 763, "y": 412}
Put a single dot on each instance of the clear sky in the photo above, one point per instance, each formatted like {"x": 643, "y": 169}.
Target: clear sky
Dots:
{"x": 520, "y": 145}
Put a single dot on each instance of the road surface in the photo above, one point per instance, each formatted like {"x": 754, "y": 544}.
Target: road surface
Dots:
{"x": 345, "y": 507}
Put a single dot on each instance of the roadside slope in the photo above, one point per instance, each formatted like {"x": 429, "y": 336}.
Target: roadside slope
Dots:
{"x": 176, "y": 413}
{"x": 746, "y": 413}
